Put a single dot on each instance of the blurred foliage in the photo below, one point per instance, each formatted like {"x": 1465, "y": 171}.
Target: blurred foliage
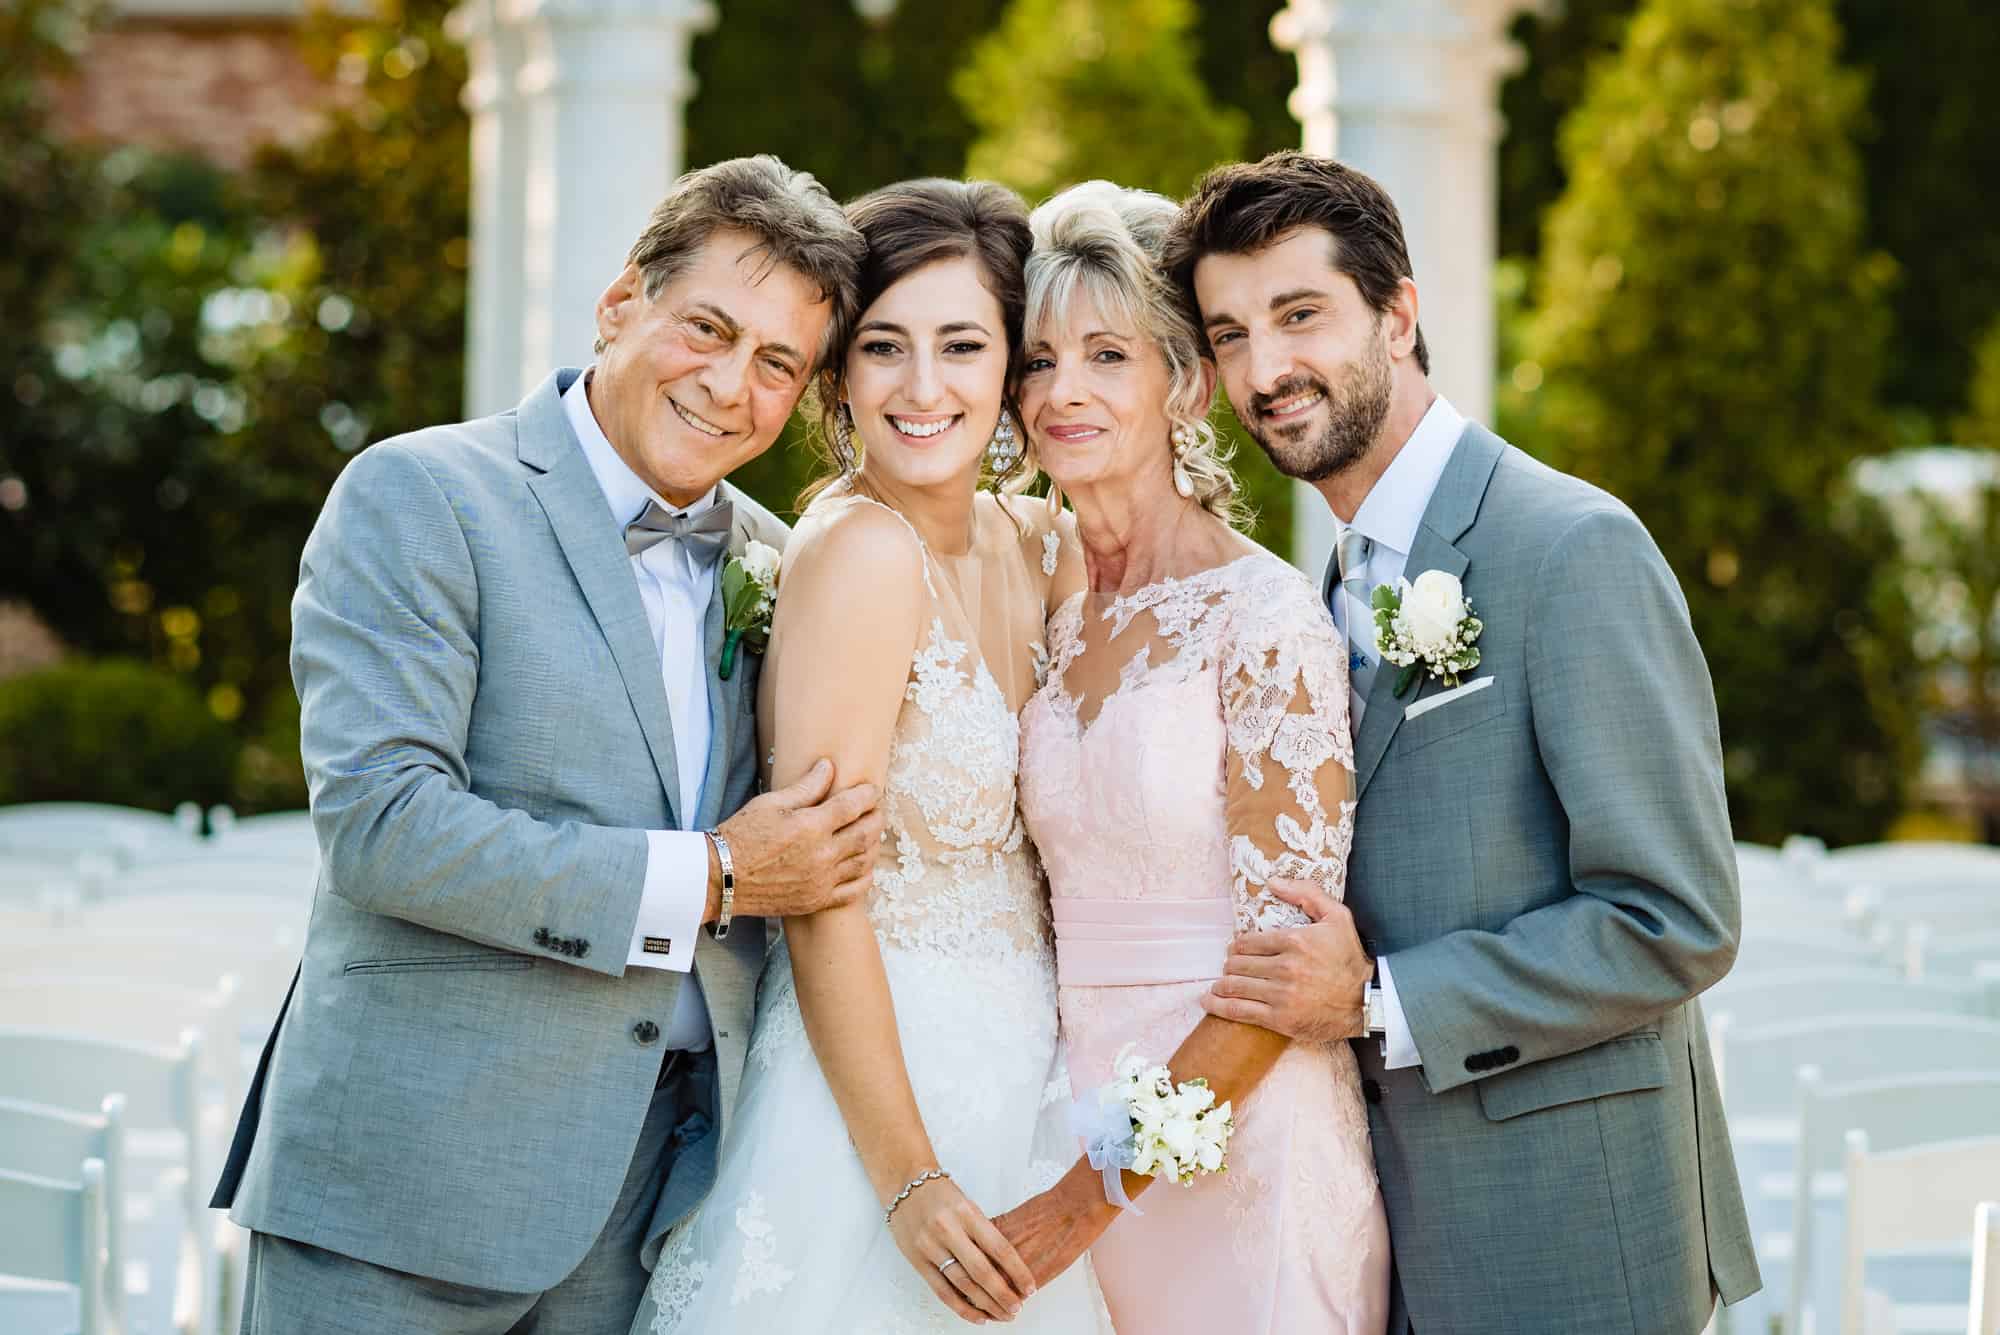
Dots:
{"x": 216, "y": 347}
{"x": 1930, "y": 150}
{"x": 1710, "y": 327}
{"x": 1066, "y": 90}
{"x": 1954, "y": 576}
{"x": 112, "y": 731}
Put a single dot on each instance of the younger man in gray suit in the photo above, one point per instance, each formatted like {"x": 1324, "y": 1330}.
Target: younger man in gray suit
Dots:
{"x": 1542, "y": 878}
{"x": 522, "y": 1007}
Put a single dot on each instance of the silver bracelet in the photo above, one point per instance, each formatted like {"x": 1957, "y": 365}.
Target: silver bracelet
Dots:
{"x": 722, "y": 916}
{"x": 911, "y": 1186}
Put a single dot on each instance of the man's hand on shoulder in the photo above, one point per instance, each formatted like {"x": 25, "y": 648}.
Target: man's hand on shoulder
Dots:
{"x": 800, "y": 849}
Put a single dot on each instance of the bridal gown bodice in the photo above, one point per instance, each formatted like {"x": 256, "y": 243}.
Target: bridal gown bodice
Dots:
{"x": 792, "y": 1238}
{"x": 1191, "y": 743}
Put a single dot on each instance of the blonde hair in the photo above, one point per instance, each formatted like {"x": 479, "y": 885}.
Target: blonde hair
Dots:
{"x": 1103, "y": 242}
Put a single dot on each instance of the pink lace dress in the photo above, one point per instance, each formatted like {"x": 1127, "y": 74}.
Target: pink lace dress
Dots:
{"x": 1190, "y": 743}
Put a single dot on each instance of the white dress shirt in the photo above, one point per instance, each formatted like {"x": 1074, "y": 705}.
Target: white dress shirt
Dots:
{"x": 675, "y": 592}
{"x": 1389, "y": 518}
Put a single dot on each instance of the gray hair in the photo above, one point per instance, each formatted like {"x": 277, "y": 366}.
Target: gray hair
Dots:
{"x": 796, "y": 223}
{"x": 1103, "y": 242}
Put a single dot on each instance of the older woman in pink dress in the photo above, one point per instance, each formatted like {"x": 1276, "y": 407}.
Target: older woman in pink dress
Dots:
{"x": 1190, "y": 746}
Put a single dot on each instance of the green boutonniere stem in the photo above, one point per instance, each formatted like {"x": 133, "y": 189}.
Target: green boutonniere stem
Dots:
{"x": 1404, "y": 679}
{"x": 728, "y": 664}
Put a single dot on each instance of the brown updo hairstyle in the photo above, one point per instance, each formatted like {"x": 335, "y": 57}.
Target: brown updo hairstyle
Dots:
{"x": 907, "y": 226}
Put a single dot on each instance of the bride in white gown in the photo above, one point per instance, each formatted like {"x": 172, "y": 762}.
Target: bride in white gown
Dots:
{"x": 913, "y": 1034}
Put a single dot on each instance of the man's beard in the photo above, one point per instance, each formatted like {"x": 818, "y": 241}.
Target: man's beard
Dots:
{"x": 1354, "y": 418}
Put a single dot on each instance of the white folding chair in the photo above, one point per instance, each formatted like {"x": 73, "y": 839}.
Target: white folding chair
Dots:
{"x": 1912, "y": 1199}
{"x": 1946, "y": 910}
{"x": 261, "y": 965}
{"x": 162, "y": 1091}
{"x": 1985, "y": 1316}
{"x": 1766, "y": 949}
{"x": 1895, "y": 1114}
{"x": 134, "y": 1012}
{"x": 219, "y": 917}
{"x": 1912, "y": 863}
{"x": 122, "y": 833}
{"x": 1757, "y": 1065}
{"x": 52, "y": 1230}
{"x": 43, "y": 1141}
{"x": 1805, "y": 994}
{"x": 266, "y": 876}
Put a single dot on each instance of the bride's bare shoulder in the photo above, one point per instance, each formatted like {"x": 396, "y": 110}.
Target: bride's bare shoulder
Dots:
{"x": 856, "y": 541}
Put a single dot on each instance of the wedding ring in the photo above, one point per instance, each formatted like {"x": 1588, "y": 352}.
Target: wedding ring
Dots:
{"x": 947, "y": 1264}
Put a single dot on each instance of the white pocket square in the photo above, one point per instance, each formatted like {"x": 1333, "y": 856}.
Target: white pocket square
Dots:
{"x": 1457, "y": 693}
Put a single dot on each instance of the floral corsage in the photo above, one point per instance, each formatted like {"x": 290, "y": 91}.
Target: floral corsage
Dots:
{"x": 1145, "y": 1123}
{"x": 1427, "y": 626}
{"x": 749, "y": 594}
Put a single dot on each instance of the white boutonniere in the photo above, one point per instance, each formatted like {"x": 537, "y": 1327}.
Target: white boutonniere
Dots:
{"x": 1426, "y": 626}
{"x": 749, "y": 595}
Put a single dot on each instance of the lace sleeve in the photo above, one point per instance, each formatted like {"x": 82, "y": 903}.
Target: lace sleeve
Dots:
{"x": 1290, "y": 766}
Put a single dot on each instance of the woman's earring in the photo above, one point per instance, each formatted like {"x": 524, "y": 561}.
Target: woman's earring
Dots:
{"x": 1004, "y": 450}
{"x": 1183, "y": 441}
{"x": 843, "y": 440}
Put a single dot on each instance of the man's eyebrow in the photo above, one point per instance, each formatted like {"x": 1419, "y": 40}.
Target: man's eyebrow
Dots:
{"x": 720, "y": 316}
{"x": 1220, "y": 317}
{"x": 1297, "y": 294}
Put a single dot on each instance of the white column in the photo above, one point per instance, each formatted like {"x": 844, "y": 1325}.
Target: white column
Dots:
{"x": 577, "y": 134}
{"x": 1408, "y": 91}
{"x": 499, "y": 158}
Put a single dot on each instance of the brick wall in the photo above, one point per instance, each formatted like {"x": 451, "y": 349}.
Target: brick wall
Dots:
{"x": 218, "y": 88}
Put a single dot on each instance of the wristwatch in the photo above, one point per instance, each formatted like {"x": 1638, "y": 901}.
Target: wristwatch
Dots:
{"x": 728, "y": 865}
{"x": 1374, "y": 1008}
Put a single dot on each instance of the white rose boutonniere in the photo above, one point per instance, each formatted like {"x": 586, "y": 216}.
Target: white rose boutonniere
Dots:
{"x": 1427, "y": 626}
{"x": 749, "y": 595}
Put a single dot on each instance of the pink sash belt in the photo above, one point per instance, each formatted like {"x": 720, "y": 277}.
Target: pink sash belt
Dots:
{"x": 1137, "y": 942}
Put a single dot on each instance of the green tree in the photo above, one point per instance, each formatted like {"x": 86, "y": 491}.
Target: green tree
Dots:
{"x": 1063, "y": 91}
{"x": 1930, "y": 144}
{"x": 1956, "y": 577}
{"x": 1711, "y": 327}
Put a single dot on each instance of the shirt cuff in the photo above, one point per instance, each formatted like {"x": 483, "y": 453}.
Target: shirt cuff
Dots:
{"x": 672, "y": 903}
{"x": 1399, "y": 1046}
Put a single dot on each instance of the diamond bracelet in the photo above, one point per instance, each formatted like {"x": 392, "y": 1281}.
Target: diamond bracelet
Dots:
{"x": 909, "y": 1187}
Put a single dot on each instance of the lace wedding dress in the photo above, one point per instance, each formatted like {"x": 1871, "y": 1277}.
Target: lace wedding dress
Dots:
{"x": 1191, "y": 742}
{"x": 791, "y": 1239}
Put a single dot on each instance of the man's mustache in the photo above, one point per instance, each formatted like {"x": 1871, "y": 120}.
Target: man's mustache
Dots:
{"x": 1260, "y": 404}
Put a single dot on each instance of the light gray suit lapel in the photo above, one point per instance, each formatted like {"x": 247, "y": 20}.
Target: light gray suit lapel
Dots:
{"x": 590, "y": 541}
{"x": 1453, "y": 507}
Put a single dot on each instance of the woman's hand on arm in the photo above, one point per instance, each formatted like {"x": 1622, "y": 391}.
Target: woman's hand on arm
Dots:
{"x": 847, "y": 624}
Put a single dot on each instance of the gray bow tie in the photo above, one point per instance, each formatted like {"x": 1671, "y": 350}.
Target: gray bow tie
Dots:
{"x": 704, "y": 536}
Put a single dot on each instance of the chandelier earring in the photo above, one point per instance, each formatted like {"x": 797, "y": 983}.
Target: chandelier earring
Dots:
{"x": 1183, "y": 441}
{"x": 843, "y": 440}
{"x": 1004, "y": 450}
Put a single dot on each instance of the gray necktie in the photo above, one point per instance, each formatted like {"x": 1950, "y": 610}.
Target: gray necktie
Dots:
{"x": 1352, "y": 552}
{"x": 704, "y": 536}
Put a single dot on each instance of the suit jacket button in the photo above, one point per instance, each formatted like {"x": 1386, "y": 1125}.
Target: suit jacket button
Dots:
{"x": 645, "y": 1033}
{"x": 1371, "y": 1091}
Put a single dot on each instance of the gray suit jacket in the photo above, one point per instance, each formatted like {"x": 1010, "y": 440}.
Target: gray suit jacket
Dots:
{"x": 1547, "y": 866}
{"x": 457, "y": 1083}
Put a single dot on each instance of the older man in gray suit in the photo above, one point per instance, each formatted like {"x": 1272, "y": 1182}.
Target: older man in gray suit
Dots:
{"x": 1542, "y": 877}
{"x": 528, "y": 982}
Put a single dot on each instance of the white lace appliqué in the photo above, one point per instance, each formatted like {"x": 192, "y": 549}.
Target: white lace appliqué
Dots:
{"x": 758, "y": 1271}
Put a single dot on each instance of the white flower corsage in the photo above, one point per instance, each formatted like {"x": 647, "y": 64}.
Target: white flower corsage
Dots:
{"x": 749, "y": 594}
{"x": 1426, "y": 625}
{"x": 1143, "y": 1122}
